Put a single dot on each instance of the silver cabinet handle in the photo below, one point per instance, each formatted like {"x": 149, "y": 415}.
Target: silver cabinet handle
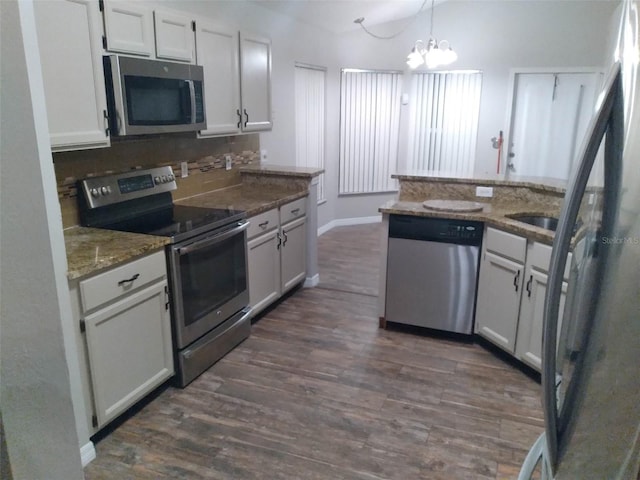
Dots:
{"x": 279, "y": 240}
{"x": 516, "y": 280}
{"x": 295, "y": 211}
{"x": 285, "y": 238}
{"x": 264, "y": 224}
{"x": 529, "y": 285}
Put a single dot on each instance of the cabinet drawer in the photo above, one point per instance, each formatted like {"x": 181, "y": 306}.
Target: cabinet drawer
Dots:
{"x": 292, "y": 210}
{"x": 506, "y": 244}
{"x": 540, "y": 256}
{"x": 110, "y": 285}
{"x": 262, "y": 223}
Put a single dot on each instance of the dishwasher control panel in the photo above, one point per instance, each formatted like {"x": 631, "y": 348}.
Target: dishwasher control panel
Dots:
{"x": 447, "y": 230}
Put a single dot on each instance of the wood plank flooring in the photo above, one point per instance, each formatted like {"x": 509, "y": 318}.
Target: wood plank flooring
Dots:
{"x": 320, "y": 392}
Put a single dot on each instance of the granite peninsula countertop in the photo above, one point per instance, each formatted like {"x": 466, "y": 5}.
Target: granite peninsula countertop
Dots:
{"x": 90, "y": 250}
{"x": 496, "y": 216}
{"x": 539, "y": 183}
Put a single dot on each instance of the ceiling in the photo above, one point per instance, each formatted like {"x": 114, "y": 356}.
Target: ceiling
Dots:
{"x": 337, "y": 16}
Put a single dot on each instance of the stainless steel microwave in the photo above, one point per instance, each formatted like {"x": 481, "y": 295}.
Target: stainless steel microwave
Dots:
{"x": 150, "y": 96}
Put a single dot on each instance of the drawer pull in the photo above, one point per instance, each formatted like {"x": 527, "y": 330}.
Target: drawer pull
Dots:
{"x": 295, "y": 211}
{"x": 128, "y": 280}
{"x": 264, "y": 224}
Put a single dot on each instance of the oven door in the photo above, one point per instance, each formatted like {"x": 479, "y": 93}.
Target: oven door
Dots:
{"x": 208, "y": 281}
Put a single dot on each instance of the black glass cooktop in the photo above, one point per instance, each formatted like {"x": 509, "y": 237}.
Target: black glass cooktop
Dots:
{"x": 179, "y": 222}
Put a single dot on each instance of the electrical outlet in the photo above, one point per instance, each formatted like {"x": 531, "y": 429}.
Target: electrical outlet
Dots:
{"x": 484, "y": 191}
{"x": 263, "y": 155}
{"x": 184, "y": 170}
{"x": 227, "y": 162}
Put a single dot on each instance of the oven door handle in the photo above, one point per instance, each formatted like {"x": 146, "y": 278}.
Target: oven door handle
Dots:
{"x": 192, "y": 97}
{"x": 241, "y": 226}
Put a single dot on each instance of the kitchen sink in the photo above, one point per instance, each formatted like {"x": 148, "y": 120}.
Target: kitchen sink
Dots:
{"x": 549, "y": 223}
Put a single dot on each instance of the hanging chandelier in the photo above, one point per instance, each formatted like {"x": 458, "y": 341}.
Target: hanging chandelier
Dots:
{"x": 432, "y": 53}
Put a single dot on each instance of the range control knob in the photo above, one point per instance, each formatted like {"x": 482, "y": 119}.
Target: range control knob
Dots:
{"x": 95, "y": 193}
{"x": 156, "y": 180}
{"x": 104, "y": 190}
{"x": 164, "y": 179}
{"x": 171, "y": 177}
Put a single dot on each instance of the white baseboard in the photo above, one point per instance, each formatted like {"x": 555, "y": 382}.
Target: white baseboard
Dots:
{"x": 87, "y": 453}
{"x": 311, "y": 282}
{"x": 345, "y": 222}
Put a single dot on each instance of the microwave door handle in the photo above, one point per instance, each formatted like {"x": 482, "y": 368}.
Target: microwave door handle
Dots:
{"x": 206, "y": 242}
{"x": 192, "y": 97}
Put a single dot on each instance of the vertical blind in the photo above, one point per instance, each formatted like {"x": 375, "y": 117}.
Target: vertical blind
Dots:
{"x": 310, "y": 119}
{"x": 369, "y": 129}
{"x": 443, "y": 121}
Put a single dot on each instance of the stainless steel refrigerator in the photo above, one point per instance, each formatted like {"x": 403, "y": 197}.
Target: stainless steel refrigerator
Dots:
{"x": 591, "y": 348}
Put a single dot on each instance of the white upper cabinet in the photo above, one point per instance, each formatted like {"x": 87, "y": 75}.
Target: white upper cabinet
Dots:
{"x": 70, "y": 42}
{"x": 128, "y": 28}
{"x": 217, "y": 53}
{"x": 174, "y": 36}
{"x": 255, "y": 81}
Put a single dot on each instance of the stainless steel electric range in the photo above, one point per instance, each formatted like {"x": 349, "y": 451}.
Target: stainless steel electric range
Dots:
{"x": 206, "y": 259}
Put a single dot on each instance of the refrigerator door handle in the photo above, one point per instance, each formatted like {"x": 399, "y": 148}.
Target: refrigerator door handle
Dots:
{"x": 561, "y": 243}
{"x": 537, "y": 455}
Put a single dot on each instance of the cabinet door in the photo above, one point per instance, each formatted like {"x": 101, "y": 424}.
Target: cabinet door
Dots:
{"x": 293, "y": 263}
{"x": 174, "y": 36}
{"x": 255, "y": 81}
{"x": 529, "y": 342}
{"x": 264, "y": 270}
{"x": 498, "y": 302}
{"x": 128, "y": 28}
{"x": 70, "y": 42}
{"x": 130, "y": 351}
{"x": 217, "y": 53}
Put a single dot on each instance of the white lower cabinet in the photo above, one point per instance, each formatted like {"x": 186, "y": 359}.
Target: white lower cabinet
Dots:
{"x": 276, "y": 253}
{"x": 529, "y": 340}
{"x": 511, "y": 293}
{"x": 125, "y": 336}
{"x": 499, "y": 287}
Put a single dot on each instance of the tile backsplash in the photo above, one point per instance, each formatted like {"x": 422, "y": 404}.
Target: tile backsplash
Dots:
{"x": 204, "y": 157}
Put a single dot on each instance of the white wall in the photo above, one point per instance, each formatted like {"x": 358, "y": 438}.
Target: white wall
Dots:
{"x": 35, "y": 389}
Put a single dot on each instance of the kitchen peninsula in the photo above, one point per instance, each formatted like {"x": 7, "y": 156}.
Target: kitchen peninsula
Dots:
{"x": 512, "y": 262}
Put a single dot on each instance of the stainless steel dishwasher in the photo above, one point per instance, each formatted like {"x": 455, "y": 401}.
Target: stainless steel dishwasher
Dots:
{"x": 432, "y": 272}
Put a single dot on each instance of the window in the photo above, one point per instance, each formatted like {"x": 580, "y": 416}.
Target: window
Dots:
{"x": 369, "y": 128}
{"x": 310, "y": 119}
{"x": 443, "y": 121}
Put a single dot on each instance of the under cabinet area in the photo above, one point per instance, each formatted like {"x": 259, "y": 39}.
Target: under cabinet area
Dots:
{"x": 69, "y": 38}
{"x": 123, "y": 335}
{"x": 276, "y": 253}
{"x": 511, "y": 291}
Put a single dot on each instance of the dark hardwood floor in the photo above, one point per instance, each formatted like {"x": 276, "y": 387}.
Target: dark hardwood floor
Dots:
{"x": 320, "y": 392}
